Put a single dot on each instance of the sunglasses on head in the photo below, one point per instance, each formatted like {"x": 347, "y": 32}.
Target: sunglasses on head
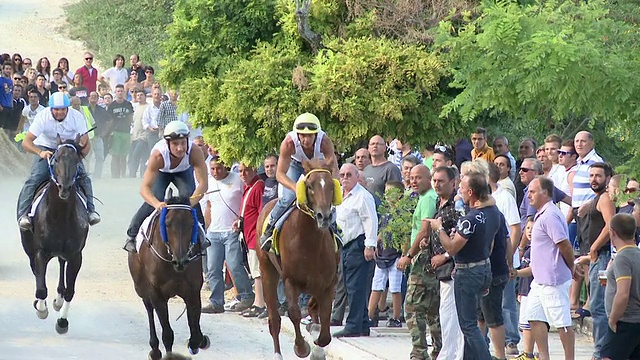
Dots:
{"x": 441, "y": 149}
{"x": 565, "y": 153}
{"x": 307, "y": 126}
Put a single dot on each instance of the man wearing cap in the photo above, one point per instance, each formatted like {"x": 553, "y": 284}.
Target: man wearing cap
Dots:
{"x": 171, "y": 161}
{"x": 306, "y": 141}
{"x": 42, "y": 140}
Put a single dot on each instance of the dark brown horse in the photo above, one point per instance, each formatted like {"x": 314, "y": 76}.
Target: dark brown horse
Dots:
{"x": 168, "y": 264}
{"x": 60, "y": 228}
{"x": 308, "y": 261}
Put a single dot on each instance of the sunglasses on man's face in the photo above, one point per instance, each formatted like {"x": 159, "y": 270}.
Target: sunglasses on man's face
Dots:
{"x": 16, "y": 79}
{"x": 27, "y": 63}
{"x": 565, "y": 153}
{"x": 88, "y": 58}
{"x": 630, "y": 190}
{"x": 307, "y": 126}
{"x": 525, "y": 170}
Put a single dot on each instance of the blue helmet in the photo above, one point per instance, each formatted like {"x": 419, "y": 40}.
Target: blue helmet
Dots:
{"x": 59, "y": 100}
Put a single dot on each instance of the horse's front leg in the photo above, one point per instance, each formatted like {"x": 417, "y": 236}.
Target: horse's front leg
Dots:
{"x": 57, "y": 302}
{"x": 301, "y": 348}
{"x": 155, "y": 353}
{"x": 197, "y": 340}
{"x": 162, "y": 310}
{"x": 40, "y": 270}
{"x": 72, "y": 270}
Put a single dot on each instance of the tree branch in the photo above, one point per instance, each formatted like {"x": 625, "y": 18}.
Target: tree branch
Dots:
{"x": 303, "y": 7}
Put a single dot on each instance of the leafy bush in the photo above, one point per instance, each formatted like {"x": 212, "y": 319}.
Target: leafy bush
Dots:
{"x": 111, "y": 27}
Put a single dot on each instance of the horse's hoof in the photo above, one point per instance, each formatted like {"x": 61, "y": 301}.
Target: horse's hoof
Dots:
{"x": 57, "y": 303}
{"x": 194, "y": 351}
{"x": 304, "y": 352}
{"x": 278, "y": 357}
{"x": 205, "y": 343}
{"x": 155, "y": 354}
{"x": 42, "y": 314}
{"x": 62, "y": 326}
{"x": 317, "y": 354}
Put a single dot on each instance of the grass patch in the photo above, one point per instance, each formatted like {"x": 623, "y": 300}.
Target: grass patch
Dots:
{"x": 111, "y": 27}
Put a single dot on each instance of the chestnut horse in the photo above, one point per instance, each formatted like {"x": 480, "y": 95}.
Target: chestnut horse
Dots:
{"x": 308, "y": 261}
{"x": 168, "y": 264}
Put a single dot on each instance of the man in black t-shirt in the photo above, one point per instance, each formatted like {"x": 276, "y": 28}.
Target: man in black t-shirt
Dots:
{"x": 471, "y": 247}
{"x": 121, "y": 112}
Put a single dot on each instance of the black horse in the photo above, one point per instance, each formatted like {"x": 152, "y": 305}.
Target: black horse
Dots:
{"x": 168, "y": 264}
{"x": 60, "y": 228}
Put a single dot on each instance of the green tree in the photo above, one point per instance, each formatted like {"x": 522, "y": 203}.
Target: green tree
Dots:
{"x": 319, "y": 59}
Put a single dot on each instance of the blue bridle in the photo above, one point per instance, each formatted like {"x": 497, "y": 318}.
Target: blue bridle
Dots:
{"x": 163, "y": 224}
{"x": 52, "y": 159}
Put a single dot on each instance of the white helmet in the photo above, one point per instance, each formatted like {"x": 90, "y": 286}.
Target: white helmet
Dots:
{"x": 176, "y": 130}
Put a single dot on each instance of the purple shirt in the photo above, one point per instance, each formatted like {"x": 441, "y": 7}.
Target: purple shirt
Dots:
{"x": 549, "y": 229}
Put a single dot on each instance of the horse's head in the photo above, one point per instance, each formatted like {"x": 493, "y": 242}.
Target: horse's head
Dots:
{"x": 320, "y": 189}
{"x": 179, "y": 231}
{"x": 64, "y": 164}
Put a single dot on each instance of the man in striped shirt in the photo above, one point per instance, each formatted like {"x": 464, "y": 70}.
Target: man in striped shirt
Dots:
{"x": 582, "y": 193}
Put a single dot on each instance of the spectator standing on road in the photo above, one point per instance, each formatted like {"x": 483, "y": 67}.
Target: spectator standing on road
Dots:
{"x": 358, "y": 220}
{"x": 552, "y": 268}
{"x": 6, "y": 96}
{"x": 79, "y": 89}
{"x": 471, "y": 246}
{"x": 249, "y": 212}
{"x": 168, "y": 110}
{"x": 137, "y": 66}
{"x": 101, "y": 118}
{"x": 381, "y": 170}
{"x": 444, "y": 184}
{"x": 29, "y": 112}
{"x": 222, "y": 210}
{"x": 139, "y": 146}
{"x": 121, "y": 113}
{"x": 442, "y": 156}
{"x": 622, "y": 299}
{"x": 480, "y": 148}
{"x": 116, "y": 75}
{"x": 504, "y": 167}
{"x": 423, "y": 295}
{"x": 88, "y": 72}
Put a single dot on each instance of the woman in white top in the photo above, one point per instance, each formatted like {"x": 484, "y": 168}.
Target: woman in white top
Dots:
{"x": 67, "y": 74}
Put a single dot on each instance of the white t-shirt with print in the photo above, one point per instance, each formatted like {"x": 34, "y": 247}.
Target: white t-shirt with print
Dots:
{"x": 46, "y": 129}
{"x": 30, "y": 114}
{"x": 116, "y": 77}
{"x": 226, "y": 200}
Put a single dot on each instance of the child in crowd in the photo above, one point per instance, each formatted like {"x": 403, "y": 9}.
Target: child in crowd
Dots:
{"x": 386, "y": 266}
{"x": 524, "y": 272}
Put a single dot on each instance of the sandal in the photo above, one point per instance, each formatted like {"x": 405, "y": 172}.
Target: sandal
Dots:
{"x": 253, "y": 311}
{"x": 581, "y": 314}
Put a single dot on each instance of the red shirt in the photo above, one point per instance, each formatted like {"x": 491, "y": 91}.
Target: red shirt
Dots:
{"x": 88, "y": 80}
{"x": 252, "y": 210}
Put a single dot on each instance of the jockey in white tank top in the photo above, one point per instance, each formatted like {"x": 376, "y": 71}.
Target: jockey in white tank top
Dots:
{"x": 163, "y": 148}
{"x": 299, "y": 155}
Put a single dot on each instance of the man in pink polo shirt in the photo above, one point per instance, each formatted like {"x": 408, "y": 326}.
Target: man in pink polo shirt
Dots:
{"x": 89, "y": 73}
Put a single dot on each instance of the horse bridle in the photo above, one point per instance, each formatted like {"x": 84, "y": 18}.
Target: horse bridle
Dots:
{"x": 165, "y": 236}
{"x": 51, "y": 160}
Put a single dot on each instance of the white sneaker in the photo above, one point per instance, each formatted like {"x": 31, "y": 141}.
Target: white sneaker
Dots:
{"x": 231, "y": 304}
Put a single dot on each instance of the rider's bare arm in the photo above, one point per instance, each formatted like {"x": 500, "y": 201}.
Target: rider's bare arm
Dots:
{"x": 287, "y": 149}
{"x": 28, "y": 145}
{"x": 153, "y": 167}
{"x": 327, "y": 149}
{"x": 196, "y": 159}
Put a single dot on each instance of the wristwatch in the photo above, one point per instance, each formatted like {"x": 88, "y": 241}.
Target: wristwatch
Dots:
{"x": 447, "y": 256}
{"x": 409, "y": 255}
{"x": 441, "y": 228}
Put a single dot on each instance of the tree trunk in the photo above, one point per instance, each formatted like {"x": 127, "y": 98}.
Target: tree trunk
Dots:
{"x": 303, "y": 7}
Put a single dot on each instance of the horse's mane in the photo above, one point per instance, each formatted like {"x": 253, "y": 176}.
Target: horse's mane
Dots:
{"x": 179, "y": 200}
{"x": 312, "y": 164}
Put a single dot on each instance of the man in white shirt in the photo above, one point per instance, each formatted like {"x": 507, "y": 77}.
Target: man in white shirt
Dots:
{"x": 222, "y": 208}
{"x": 29, "y": 112}
{"x": 150, "y": 117}
{"x": 140, "y": 149}
{"x": 59, "y": 121}
{"x": 358, "y": 220}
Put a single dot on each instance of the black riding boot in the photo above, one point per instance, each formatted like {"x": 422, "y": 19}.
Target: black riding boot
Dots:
{"x": 266, "y": 238}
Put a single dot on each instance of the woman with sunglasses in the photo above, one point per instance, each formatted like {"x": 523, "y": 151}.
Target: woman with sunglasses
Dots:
{"x": 306, "y": 141}
{"x": 26, "y": 64}
{"x": 17, "y": 64}
{"x": 150, "y": 79}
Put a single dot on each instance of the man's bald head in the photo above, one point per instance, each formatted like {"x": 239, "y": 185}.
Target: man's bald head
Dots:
{"x": 583, "y": 143}
{"x": 420, "y": 179}
{"x": 377, "y": 148}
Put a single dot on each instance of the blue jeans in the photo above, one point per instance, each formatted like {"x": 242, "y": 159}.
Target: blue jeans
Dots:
{"x": 510, "y": 313}
{"x": 468, "y": 287}
{"x": 226, "y": 246}
{"x": 97, "y": 147}
{"x": 186, "y": 184}
{"x": 138, "y": 157}
{"x": 598, "y": 314}
{"x": 40, "y": 174}
{"x": 294, "y": 173}
{"x": 355, "y": 270}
